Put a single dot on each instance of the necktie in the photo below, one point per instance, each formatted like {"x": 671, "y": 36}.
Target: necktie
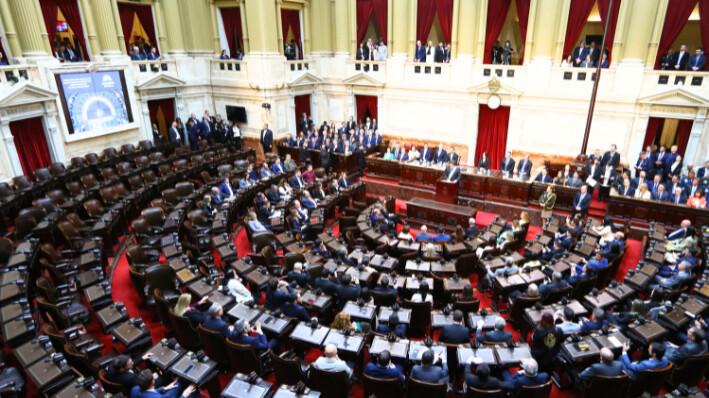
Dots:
{"x": 679, "y": 59}
{"x": 676, "y": 199}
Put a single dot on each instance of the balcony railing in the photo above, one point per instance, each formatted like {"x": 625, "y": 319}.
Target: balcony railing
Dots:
{"x": 667, "y": 78}
{"x": 422, "y": 68}
{"x": 375, "y": 67}
{"x": 297, "y": 66}
{"x": 503, "y": 71}
{"x": 228, "y": 66}
{"x": 12, "y": 74}
{"x": 577, "y": 74}
{"x": 143, "y": 67}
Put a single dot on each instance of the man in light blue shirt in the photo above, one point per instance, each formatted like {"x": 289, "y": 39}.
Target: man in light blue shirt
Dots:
{"x": 569, "y": 326}
{"x": 382, "y": 50}
{"x": 331, "y": 362}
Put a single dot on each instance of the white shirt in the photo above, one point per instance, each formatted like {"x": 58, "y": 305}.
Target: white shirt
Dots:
{"x": 679, "y": 58}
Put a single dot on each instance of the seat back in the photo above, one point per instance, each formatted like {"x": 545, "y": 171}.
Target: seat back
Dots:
{"x": 74, "y": 187}
{"x": 607, "y": 387}
{"x": 651, "y": 380}
{"x": 47, "y": 308}
{"x": 161, "y": 277}
{"x": 154, "y": 216}
{"x": 78, "y": 162}
{"x": 76, "y": 220}
{"x": 584, "y": 287}
{"x": 287, "y": 370}
{"x": 262, "y": 239}
{"x": 518, "y": 306}
{"x": 467, "y": 306}
{"x": 55, "y": 336}
{"x": 540, "y": 391}
{"x": 163, "y": 307}
{"x": 214, "y": 345}
{"x": 475, "y": 393}
{"x": 383, "y": 299}
{"x": 111, "y": 387}
{"x": 79, "y": 361}
{"x": 109, "y": 174}
{"x": 422, "y": 389}
{"x": 124, "y": 168}
{"x": 5, "y": 190}
{"x": 329, "y": 384}
{"x": 110, "y": 153}
{"x": 127, "y": 148}
{"x": 691, "y": 371}
{"x": 243, "y": 358}
{"x": 138, "y": 280}
{"x": 136, "y": 182}
{"x": 390, "y": 388}
{"x": 42, "y": 175}
{"x": 94, "y": 208}
{"x": 170, "y": 196}
{"x": 68, "y": 230}
{"x": 58, "y": 196}
{"x": 47, "y": 204}
{"x": 6, "y": 250}
{"x": 24, "y": 225}
{"x": 22, "y": 182}
{"x": 184, "y": 189}
{"x": 89, "y": 181}
{"x": 35, "y": 212}
{"x": 557, "y": 294}
{"x": 420, "y": 315}
{"x": 185, "y": 334}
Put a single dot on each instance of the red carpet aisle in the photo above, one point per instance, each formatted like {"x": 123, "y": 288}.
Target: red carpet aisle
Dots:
{"x": 123, "y": 291}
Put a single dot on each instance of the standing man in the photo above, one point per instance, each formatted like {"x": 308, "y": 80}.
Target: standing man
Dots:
{"x": 680, "y": 58}
{"x": 698, "y": 60}
{"x": 612, "y": 157}
{"x": 266, "y": 139}
{"x": 580, "y": 54}
{"x": 582, "y": 201}
{"x": 507, "y": 165}
{"x": 382, "y": 50}
{"x": 173, "y": 134}
{"x": 420, "y": 54}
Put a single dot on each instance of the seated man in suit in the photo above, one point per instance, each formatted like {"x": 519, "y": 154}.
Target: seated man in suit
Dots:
{"x": 266, "y": 213}
{"x": 608, "y": 366}
{"x": 384, "y": 369}
{"x": 674, "y": 281}
{"x": 496, "y": 335}
{"x": 384, "y": 287}
{"x": 543, "y": 176}
{"x": 217, "y": 200}
{"x": 146, "y": 388}
{"x": 393, "y": 326}
{"x": 452, "y": 172}
{"x": 348, "y": 290}
{"x": 299, "y": 276}
{"x": 216, "y": 323}
{"x": 472, "y": 229}
{"x": 423, "y": 236}
{"x": 565, "y": 241}
{"x": 344, "y": 182}
{"x": 265, "y": 171}
{"x": 582, "y": 201}
{"x": 597, "y": 263}
{"x": 121, "y": 371}
{"x": 331, "y": 362}
{"x": 568, "y": 326}
{"x": 657, "y": 360}
{"x": 259, "y": 341}
{"x": 226, "y": 191}
{"x": 327, "y": 282}
{"x": 273, "y": 195}
{"x": 660, "y": 194}
{"x": 429, "y": 371}
{"x": 277, "y": 167}
{"x": 548, "y": 254}
{"x": 594, "y": 324}
{"x": 251, "y": 174}
{"x": 528, "y": 375}
{"x": 695, "y": 346}
{"x": 294, "y": 308}
{"x": 456, "y": 332}
{"x": 627, "y": 189}
{"x": 440, "y": 155}
{"x": 575, "y": 181}
{"x": 678, "y": 197}
{"x": 297, "y": 182}
{"x": 307, "y": 201}
{"x": 557, "y": 282}
{"x": 482, "y": 380}
{"x": 441, "y": 237}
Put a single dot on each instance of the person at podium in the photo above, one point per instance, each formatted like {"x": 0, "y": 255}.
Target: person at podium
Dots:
{"x": 452, "y": 173}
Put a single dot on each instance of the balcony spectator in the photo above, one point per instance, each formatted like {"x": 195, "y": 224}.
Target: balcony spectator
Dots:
{"x": 382, "y": 50}
{"x": 363, "y": 52}
{"x": 153, "y": 55}
{"x": 604, "y": 60}
{"x": 507, "y": 52}
{"x": 239, "y": 55}
{"x": 568, "y": 62}
{"x": 666, "y": 60}
{"x": 698, "y": 60}
{"x": 496, "y": 53}
{"x": 291, "y": 51}
{"x": 594, "y": 53}
{"x": 587, "y": 63}
{"x": 420, "y": 54}
{"x": 224, "y": 55}
{"x": 680, "y": 58}
{"x": 580, "y": 54}
{"x": 136, "y": 55}
{"x": 447, "y": 54}
{"x": 3, "y": 62}
{"x": 373, "y": 53}
{"x": 62, "y": 54}
{"x": 430, "y": 52}
{"x": 440, "y": 53}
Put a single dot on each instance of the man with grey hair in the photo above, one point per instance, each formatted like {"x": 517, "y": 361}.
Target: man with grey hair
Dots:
{"x": 215, "y": 322}
{"x": 594, "y": 324}
{"x": 497, "y": 335}
{"x": 608, "y": 366}
{"x": 472, "y": 229}
{"x": 557, "y": 282}
{"x": 299, "y": 276}
{"x": 510, "y": 268}
{"x": 331, "y": 362}
{"x": 528, "y": 375}
{"x": 242, "y": 335}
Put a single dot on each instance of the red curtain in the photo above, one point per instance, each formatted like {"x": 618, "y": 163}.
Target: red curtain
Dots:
{"x": 678, "y": 12}
{"x": 31, "y": 144}
{"x": 231, "y": 17}
{"x": 49, "y": 13}
{"x": 704, "y": 23}
{"x": 445, "y": 17}
{"x": 496, "y": 15}
{"x": 291, "y": 19}
{"x": 70, "y": 9}
{"x": 683, "y": 130}
{"x": 167, "y": 106}
{"x": 424, "y": 19}
{"x": 366, "y": 103}
{"x": 654, "y": 127}
{"x": 603, "y": 10}
{"x": 492, "y": 133}
{"x": 523, "y": 16}
{"x": 364, "y": 14}
{"x": 381, "y": 13}
{"x": 127, "y": 13}
{"x": 578, "y": 15}
{"x": 302, "y": 104}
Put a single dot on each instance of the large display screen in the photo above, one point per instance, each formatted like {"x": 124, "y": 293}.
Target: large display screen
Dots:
{"x": 94, "y": 101}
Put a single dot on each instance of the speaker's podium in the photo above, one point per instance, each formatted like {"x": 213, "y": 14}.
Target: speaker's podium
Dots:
{"x": 447, "y": 191}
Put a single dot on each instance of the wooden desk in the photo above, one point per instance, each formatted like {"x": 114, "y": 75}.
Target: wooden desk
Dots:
{"x": 431, "y": 212}
{"x": 649, "y": 210}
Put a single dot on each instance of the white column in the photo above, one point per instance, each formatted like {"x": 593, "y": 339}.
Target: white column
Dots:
{"x": 314, "y": 111}
{"x": 14, "y": 158}
{"x": 691, "y": 154}
{"x": 637, "y": 135}
{"x": 146, "y": 119}
{"x": 474, "y": 109}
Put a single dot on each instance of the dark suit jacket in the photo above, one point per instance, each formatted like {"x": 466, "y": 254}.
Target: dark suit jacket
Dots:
{"x": 432, "y": 374}
{"x": 454, "y": 334}
{"x": 524, "y": 167}
{"x": 439, "y": 56}
{"x": 302, "y": 279}
{"x": 453, "y": 175}
{"x": 596, "y": 173}
{"x": 259, "y": 341}
{"x": 328, "y": 287}
{"x": 518, "y": 380}
{"x": 266, "y": 138}
{"x": 509, "y": 166}
{"x": 491, "y": 383}
{"x": 682, "y": 62}
{"x": 219, "y": 325}
{"x": 579, "y": 53}
{"x": 347, "y": 293}
{"x": 420, "y": 53}
{"x": 613, "y": 159}
{"x": 582, "y": 203}
{"x": 294, "y": 310}
{"x": 440, "y": 156}
{"x": 493, "y": 335}
{"x": 399, "y": 330}
{"x": 374, "y": 370}
{"x": 682, "y": 199}
{"x": 687, "y": 350}
{"x": 601, "y": 369}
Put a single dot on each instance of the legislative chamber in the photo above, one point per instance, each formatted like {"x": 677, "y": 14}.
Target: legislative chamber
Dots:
{"x": 354, "y": 198}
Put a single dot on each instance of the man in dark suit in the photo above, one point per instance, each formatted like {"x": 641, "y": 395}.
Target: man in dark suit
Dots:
{"x": 440, "y": 155}
{"x": 393, "y": 326}
{"x": 612, "y": 157}
{"x": 260, "y": 343}
{"x": 351, "y": 124}
{"x": 205, "y": 128}
{"x": 657, "y": 360}
{"x": 192, "y": 134}
{"x": 266, "y": 139}
{"x": 304, "y": 122}
{"x": 697, "y": 61}
{"x": 557, "y": 282}
{"x": 581, "y": 202}
{"x": 579, "y": 54}
{"x": 496, "y": 335}
{"x": 524, "y": 168}
{"x": 121, "y": 370}
{"x": 452, "y": 156}
{"x": 173, "y": 134}
{"x": 528, "y": 376}
{"x": 607, "y": 367}
{"x": 482, "y": 380}
{"x": 680, "y": 58}
{"x": 593, "y": 169}
{"x": 606, "y": 180}
{"x": 472, "y": 229}
{"x": 627, "y": 189}
{"x": 299, "y": 276}
{"x": 452, "y": 172}
{"x": 326, "y": 282}
{"x": 644, "y": 163}
{"x": 420, "y": 52}
{"x": 384, "y": 369}
{"x": 439, "y": 56}
{"x": 660, "y": 194}
{"x": 215, "y": 322}
{"x": 593, "y": 53}
{"x": 423, "y": 236}
{"x": 428, "y": 371}
{"x": 703, "y": 171}
{"x": 349, "y": 290}
{"x": 456, "y": 332}
{"x": 507, "y": 164}
{"x": 695, "y": 346}
{"x": 297, "y": 182}
{"x": 146, "y": 388}
{"x": 426, "y": 154}
{"x": 294, "y": 308}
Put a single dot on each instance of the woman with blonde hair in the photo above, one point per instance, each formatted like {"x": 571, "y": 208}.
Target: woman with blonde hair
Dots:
{"x": 183, "y": 304}
{"x": 343, "y": 322}
{"x": 643, "y": 192}
{"x": 430, "y": 251}
{"x": 523, "y": 218}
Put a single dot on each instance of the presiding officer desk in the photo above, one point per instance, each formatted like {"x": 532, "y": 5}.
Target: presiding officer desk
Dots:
{"x": 492, "y": 186}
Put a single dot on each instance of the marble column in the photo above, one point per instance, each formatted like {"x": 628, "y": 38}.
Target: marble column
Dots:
{"x": 400, "y": 30}
{"x": 160, "y": 26}
{"x": 467, "y": 10}
{"x": 548, "y": 15}
{"x": 692, "y": 154}
{"x": 171, "y": 12}
{"x": 88, "y": 17}
{"x": 264, "y": 27}
{"x": 30, "y": 28}
{"x": 639, "y": 29}
{"x": 342, "y": 22}
{"x": 106, "y": 27}
{"x": 10, "y": 31}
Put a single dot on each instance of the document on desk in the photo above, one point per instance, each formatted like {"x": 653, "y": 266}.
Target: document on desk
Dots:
{"x": 616, "y": 343}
